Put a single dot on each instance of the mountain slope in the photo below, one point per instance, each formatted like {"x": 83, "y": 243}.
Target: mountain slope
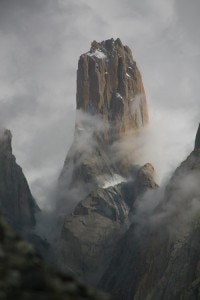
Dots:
{"x": 161, "y": 259}
{"x": 23, "y": 275}
{"x": 90, "y": 234}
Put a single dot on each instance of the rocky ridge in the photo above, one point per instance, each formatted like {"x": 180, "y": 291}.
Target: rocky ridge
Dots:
{"x": 197, "y": 140}
{"x": 23, "y": 275}
{"x": 161, "y": 260}
{"x": 90, "y": 234}
{"x": 17, "y": 204}
{"x": 16, "y": 201}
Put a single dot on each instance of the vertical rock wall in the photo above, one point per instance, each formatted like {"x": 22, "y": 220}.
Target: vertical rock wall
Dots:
{"x": 16, "y": 201}
{"x": 109, "y": 84}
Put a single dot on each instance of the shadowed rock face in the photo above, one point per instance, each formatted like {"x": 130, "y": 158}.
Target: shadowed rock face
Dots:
{"x": 16, "y": 201}
{"x": 197, "y": 140}
{"x": 160, "y": 261}
{"x": 91, "y": 233}
{"x": 23, "y": 275}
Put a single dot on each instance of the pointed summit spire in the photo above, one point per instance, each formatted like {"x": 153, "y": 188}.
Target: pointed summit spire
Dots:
{"x": 109, "y": 85}
{"x": 197, "y": 139}
{"x": 5, "y": 141}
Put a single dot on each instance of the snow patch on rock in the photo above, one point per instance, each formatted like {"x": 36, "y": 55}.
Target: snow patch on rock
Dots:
{"x": 113, "y": 180}
{"x": 99, "y": 54}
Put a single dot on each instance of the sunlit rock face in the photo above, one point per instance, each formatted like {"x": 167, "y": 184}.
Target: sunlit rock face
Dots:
{"x": 16, "y": 201}
{"x": 109, "y": 84}
{"x": 111, "y": 103}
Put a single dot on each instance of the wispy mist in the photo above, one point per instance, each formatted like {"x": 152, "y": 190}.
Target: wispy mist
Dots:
{"x": 174, "y": 205}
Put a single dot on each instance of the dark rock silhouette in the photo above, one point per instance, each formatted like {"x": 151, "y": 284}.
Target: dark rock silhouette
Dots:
{"x": 16, "y": 201}
{"x": 197, "y": 140}
{"x": 23, "y": 275}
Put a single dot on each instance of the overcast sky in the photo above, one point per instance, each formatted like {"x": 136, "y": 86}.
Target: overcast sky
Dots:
{"x": 41, "y": 41}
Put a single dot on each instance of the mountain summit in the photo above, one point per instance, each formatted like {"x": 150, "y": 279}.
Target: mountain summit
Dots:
{"x": 99, "y": 183}
{"x": 109, "y": 84}
{"x": 111, "y": 104}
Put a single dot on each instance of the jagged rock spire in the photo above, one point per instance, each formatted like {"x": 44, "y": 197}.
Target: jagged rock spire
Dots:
{"x": 16, "y": 201}
{"x": 197, "y": 140}
{"x": 111, "y": 104}
{"x": 109, "y": 84}
{"x": 5, "y": 141}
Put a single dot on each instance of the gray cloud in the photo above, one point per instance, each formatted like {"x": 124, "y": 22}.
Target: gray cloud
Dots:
{"x": 40, "y": 45}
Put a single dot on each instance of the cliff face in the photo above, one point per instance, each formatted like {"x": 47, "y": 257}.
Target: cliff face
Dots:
{"x": 161, "y": 260}
{"x": 197, "y": 140}
{"x": 16, "y": 201}
{"x": 109, "y": 84}
{"x": 23, "y": 275}
{"x": 90, "y": 234}
{"x": 111, "y": 103}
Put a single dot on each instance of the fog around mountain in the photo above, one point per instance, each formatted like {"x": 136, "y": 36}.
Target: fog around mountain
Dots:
{"x": 40, "y": 45}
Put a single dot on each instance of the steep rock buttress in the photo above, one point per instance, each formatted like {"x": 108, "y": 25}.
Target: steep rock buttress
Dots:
{"x": 16, "y": 201}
